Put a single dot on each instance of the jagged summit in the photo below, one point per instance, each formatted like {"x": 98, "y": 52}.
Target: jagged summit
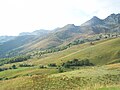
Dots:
{"x": 95, "y": 18}
{"x": 113, "y": 19}
{"x": 69, "y": 26}
{"x": 96, "y": 25}
{"x": 93, "y": 21}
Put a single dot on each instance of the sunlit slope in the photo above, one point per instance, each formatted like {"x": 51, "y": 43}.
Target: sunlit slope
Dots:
{"x": 102, "y": 52}
{"x": 92, "y": 78}
{"x": 26, "y": 71}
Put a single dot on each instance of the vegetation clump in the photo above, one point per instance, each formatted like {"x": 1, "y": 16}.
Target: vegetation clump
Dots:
{"x": 14, "y": 67}
{"x": 26, "y": 65}
{"x": 60, "y": 69}
{"x": 13, "y": 59}
{"x": 52, "y": 65}
{"x": 76, "y": 62}
{"x": 3, "y": 69}
{"x": 42, "y": 66}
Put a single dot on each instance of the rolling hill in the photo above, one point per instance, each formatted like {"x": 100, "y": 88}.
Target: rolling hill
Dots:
{"x": 92, "y": 78}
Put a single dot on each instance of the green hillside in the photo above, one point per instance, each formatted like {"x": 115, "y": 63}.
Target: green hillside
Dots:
{"x": 101, "y": 53}
{"x": 92, "y": 78}
{"x": 103, "y": 76}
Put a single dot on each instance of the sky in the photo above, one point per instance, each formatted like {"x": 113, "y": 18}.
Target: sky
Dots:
{"x": 29, "y": 15}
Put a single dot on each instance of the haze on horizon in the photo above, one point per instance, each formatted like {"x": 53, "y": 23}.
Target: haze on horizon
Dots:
{"x": 28, "y": 15}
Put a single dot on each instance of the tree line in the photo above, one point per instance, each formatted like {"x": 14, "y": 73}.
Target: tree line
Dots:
{"x": 14, "y": 59}
{"x": 77, "y": 62}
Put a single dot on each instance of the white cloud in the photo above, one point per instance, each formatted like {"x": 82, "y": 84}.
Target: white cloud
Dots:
{"x": 28, "y": 15}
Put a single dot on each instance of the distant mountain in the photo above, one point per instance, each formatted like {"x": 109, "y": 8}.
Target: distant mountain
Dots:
{"x": 18, "y": 43}
{"x": 24, "y": 33}
{"x": 57, "y": 37}
{"x": 14, "y": 44}
{"x": 112, "y": 19}
{"x": 71, "y": 32}
{"x": 94, "y": 21}
{"x": 37, "y": 32}
{"x": 6, "y": 38}
{"x": 67, "y": 31}
{"x": 44, "y": 39}
{"x": 111, "y": 24}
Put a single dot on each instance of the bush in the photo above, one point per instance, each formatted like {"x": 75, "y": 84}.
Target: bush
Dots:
{"x": 42, "y": 66}
{"x": 3, "y": 69}
{"x": 52, "y": 65}
{"x": 1, "y": 78}
{"x": 14, "y": 67}
{"x": 66, "y": 65}
{"x": 14, "y": 59}
{"x": 76, "y": 62}
{"x": 60, "y": 69}
{"x": 26, "y": 65}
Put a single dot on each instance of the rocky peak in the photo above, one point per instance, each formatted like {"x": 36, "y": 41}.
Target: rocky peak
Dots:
{"x": 113, "y": 19}
{"x": 69, "y": 26}
{"x": 94, "y": 21}
{"x": 95, "y": 18}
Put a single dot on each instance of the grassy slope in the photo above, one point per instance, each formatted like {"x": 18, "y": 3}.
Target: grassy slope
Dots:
{"x": 102, "y": 78}
{"x": 102, "y": 52}
{"x": 84, "y": 79}
{"x": 26, "y": 71}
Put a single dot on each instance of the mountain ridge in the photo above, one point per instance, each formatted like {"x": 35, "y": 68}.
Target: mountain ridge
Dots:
{"x": 36, "y": 32}
{"x": 44, "y": 39}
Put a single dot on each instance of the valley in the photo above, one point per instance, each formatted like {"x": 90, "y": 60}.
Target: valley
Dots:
{"x": 85, "y": 57}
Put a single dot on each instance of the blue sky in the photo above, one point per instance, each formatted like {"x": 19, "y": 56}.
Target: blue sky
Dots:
{"x": 28, "y": 15}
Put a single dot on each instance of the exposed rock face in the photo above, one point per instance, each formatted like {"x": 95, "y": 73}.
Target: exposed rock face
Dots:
{"x": 95, "y": 25}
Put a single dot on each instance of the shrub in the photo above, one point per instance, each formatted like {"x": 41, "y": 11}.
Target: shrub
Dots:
{"x": 52, "y": 65}
{"x": 76, "y": 62}
{"x": 42, "y": 66}
{"x": 14, "y": 59}
{"x": 60, "y": 69}
{"x": 14, "y": 67}
{"x": 26, "y": 65}
{"x": 3, "y": 69}
{"x": 1, "y": 78}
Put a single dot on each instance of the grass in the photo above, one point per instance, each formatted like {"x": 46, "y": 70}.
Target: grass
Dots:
{"x": 110, "y": 88}
{"x": 26, "y": 71}
{"x": 89, "y": 78}
{"x": 103, "y": 52}
{"x": 100, "y": 77}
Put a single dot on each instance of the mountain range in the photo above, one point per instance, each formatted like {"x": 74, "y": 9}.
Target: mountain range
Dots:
{"x": 45, "y": 39}
{"x": 6, "y": 38}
